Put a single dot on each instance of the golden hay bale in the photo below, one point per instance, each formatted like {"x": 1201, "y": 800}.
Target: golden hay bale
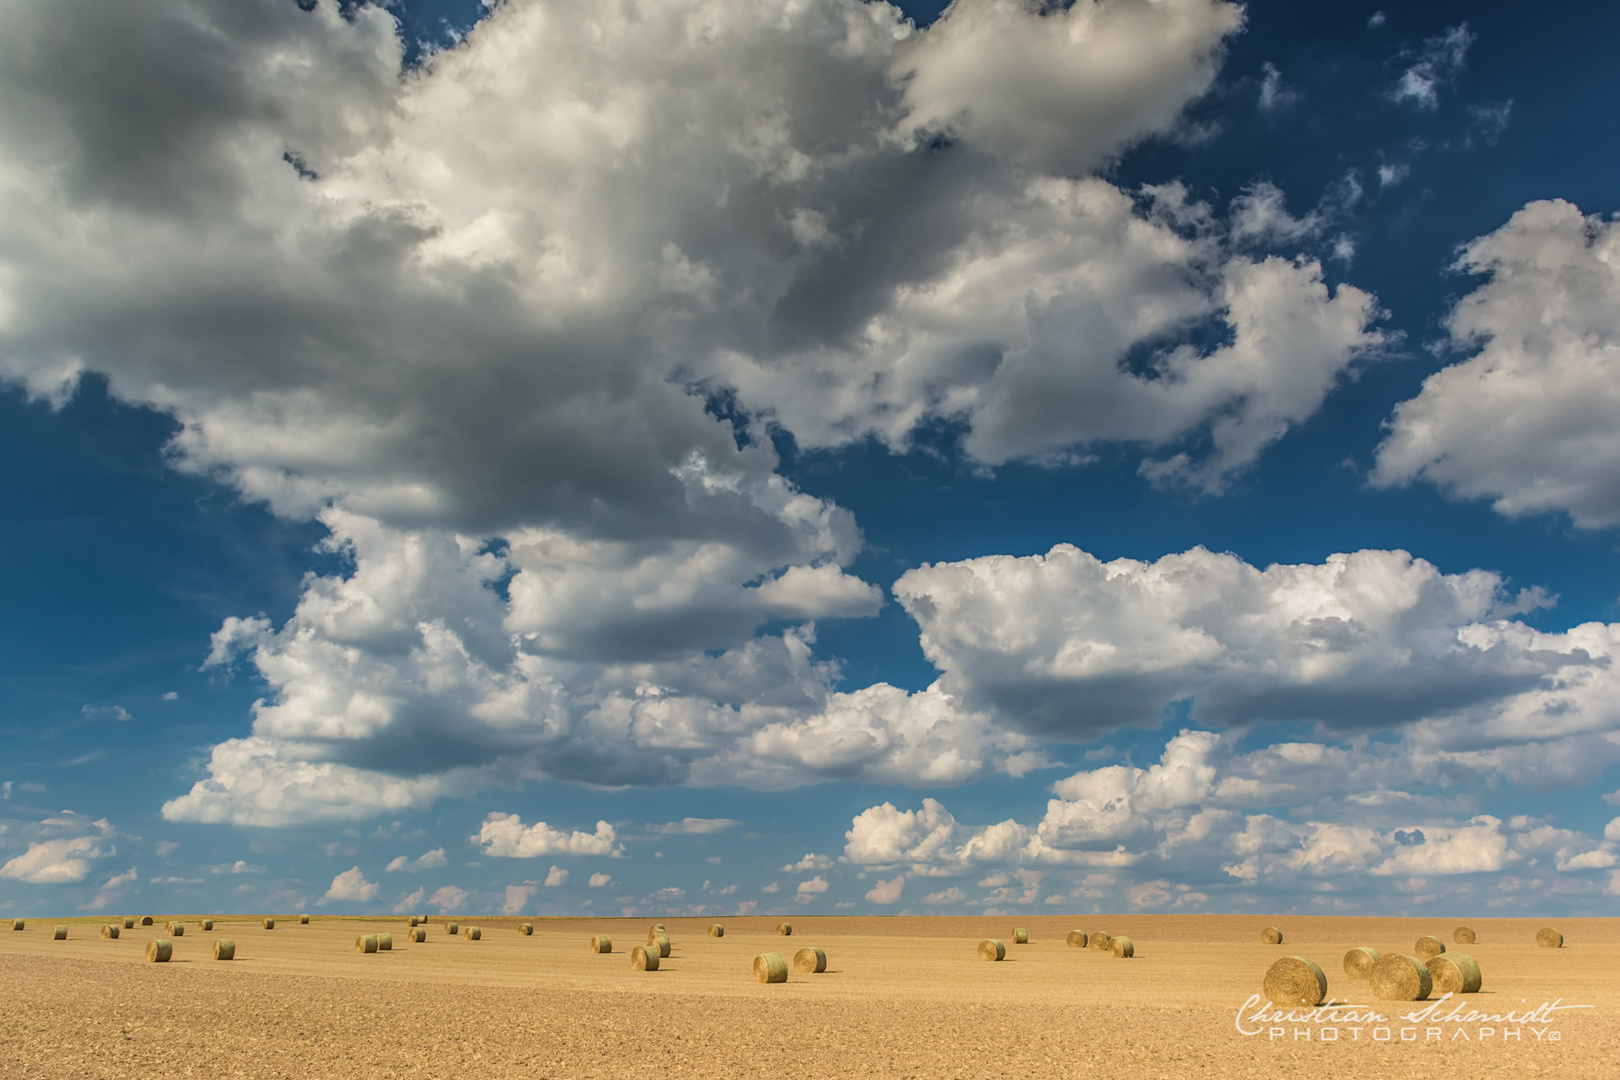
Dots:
{"x": 1294, "y": 980}
{"x": 413, "y": 920}
{"x": 1020, "y": 936}
{"x": 269, "y": 924}
{"x": 224, "y": 949}
{"x": 991, "y": 949}
{"x": 601, "y": 943}
{"x": 421, "y": 920}
{"x": 1271, "y": 936}
{"x": 207, "y": 924}
{"x": 812, "y": 961}
{"x": 474, "y": 933}
{"x": 661, "y": 942}
{"x": 1548, "y": 938}
{"x": 659, "y": 927}
{"x": 1121, "y": 948}
{"x": 1076, "y": 939}
{"x": 716, "y": 930}
{"x": 1400, "y": 978}
{"x": 129, "y": 924}
{"x": 1428, "y": 946}
{"x": 1358, "y": 963}
{"x": 644, "y": 958}
{"x": 158, "y": 951}
{"x": 418, "y": 935}
{"x": 385, "y": 942}
{"x": 527, "y": 929}
{"x": 18, "y": 924}
{"x": 146, "y": 920}
{"x": 1454, "y": 973}
{"x": 109, "y": 931}
{"x": 60, "y": 934}
{"x": 452, "y": 929}
{"x": 1464, "y": 935}
{"x": 176, "y": 929}
{"x": 303, "y": 920}
{"x": 1099, "y": 941}
{"x": 365, "y": 943}
{"x": 770, "y": 968}
{"x": 785, "y": 929}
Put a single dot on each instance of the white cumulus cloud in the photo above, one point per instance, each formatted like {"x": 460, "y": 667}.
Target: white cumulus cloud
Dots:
{"x": 352, "y": 885}
{"x": 505, "y": 836}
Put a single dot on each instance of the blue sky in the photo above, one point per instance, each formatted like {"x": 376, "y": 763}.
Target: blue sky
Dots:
{"x": 743, "y": 457}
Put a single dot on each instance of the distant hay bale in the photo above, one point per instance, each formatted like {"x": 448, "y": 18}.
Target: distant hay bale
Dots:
{"x": 527, "y": 929}
{"x": 224, "y": 949}
{"x": 716, "y": 930}
{"x": 1428, "y": 946}
{"x": 1294, "y": 980}
{"x": 207, "y": 924}
{"x": 1076, "y": 939}
{"x": 1464, "y": 935}
{"x": 452, "y": 929}
{"x": 1122, "y": 948}
{"x": 18, "y": 924}
{"x": 785, "y": 929}
{"x": 1400, "y": 978}
{"x": 129, "y": 924}
{"x": 991, "y": 949}
{"x": 365, "y": 943}
{"x": 1454, "y": 973}
{"x": 269, "y": 924}
{"x": 303, "y": 920}
{"x": 109, "y": 931}
{"x": 176, "y": 929}
{"x": 1548, "y": 938}
{"x": 474, "y": 933}
{"x": 1271, "y": 936}
{"x": 413, "y": 920}
{"x": 60, "y": 934}
{"x": 1099, "y": 941}
{"x": 770, "y": 968}
{"x": 146, "y": 920}
{"x": 601, "y": 943}
{"x": 1020, "y": 936}
{"x": 158, "y": 951}
{"x": 1358, "y": 963}
{"x": 418, "y": 935}
{"x": 661, "y": 943}
{"x": 659, "y": 928}
{"x": 644, "y": 958}
{"x": 385, "y": 942}
{"x": 811, "y": 961}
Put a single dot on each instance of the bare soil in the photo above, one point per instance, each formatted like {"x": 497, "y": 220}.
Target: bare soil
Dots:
{"x": 901, "y": 997}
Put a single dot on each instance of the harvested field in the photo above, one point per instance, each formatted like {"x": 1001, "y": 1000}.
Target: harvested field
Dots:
{"x": 903, "y": 997}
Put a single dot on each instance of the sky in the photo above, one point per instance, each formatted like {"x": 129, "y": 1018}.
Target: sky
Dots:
{"x": 706, "y": 457}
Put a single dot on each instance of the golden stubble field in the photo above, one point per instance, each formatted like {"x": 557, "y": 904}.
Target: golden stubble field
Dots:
{"x": 902, "y": 997}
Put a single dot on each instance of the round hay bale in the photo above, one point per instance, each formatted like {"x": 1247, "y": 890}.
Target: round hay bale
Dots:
{"x": 1294, "y": 980}
{"x": 1548, "y": 938}
{"x": 527, "y": 929}
{"x": 659, "y": 928}
{"x": 421, "y": 920}
{"x": 770, "y": 968}
{"x": 601, "y": 943}
{"x": 146, "y": 920}
{"x": 413, "y": 920}
{"x": 1454, "y": 973}
{"x": 1358, "y": 963}
{"x": 418, "y": 935}
{"x": 811, "y": 961}
{"x": 60, "y": 934}
{"x": 303, "y": 920}
{"x": 129, "y": 924}
{"x": 991, "y": 949}
{"x": 176, "y": 929}
{"x": 644, "y": 958}
{"x": 785, "y": 929}
{"x": 18, "y": 924}
{"x": 365, "y": 943}
{"x": 109, "y": 931}
{"x": 716, "y": 930}
{"x": 206, "y": 924}
{"x": 1271, "y": 936}
{"x": 1020, "y": 936}
{"x": 1099, "y": 941}
{"x": 158, "y": 951}
{"x": 269, "y": 924}
{"x": 452, "y": 929}
{"x": 474, "y": 933}
{"x": 1464, "y": 935}
{"x": 224, "y": 949}
{"x": 661, "y": 943}
{"x": 1076, "y": 939}
{"x": 1428, "y": 946}
{"x": 385, "y": 942}
{"x": 1400, "y": 978}
{"x": 1121, "y": 948}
